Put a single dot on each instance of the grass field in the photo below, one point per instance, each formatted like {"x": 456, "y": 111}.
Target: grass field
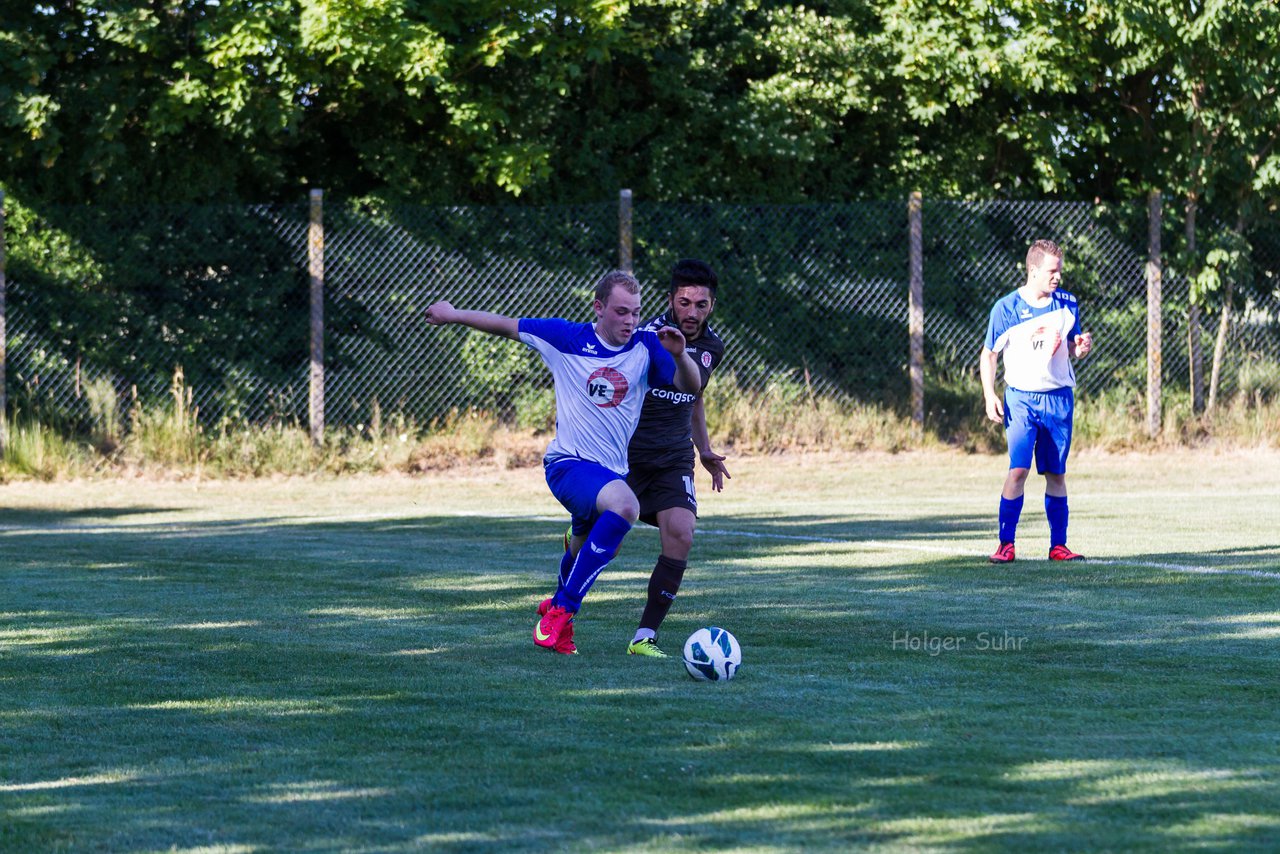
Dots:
{"x": 346, "y": 664}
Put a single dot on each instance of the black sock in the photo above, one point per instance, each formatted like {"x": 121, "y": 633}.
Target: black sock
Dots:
{"x": 663, "y": 585}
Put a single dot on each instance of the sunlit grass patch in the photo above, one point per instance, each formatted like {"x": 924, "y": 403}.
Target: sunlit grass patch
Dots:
{"x": 315, "y": 791}
{"x": 936, "y": 830}
{"x": 235, "y": 705}
{"x": 102, "y": 779}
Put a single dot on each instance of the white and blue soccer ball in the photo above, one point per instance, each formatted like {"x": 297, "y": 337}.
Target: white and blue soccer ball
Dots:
{"x": 712, "y": 655}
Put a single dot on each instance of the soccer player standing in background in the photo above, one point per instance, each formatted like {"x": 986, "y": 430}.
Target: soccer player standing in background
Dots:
{"x": 1037, "y": 328}
{"x": 601, "y": 372}
{"x": 672, "y": 425}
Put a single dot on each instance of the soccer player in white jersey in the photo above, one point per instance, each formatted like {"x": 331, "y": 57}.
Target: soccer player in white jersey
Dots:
{"x": 1037, "y": 328}
{"x": 601, "y": 373}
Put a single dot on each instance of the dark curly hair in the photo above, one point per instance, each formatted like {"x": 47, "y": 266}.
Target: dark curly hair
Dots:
{"x": 693, "y": 273}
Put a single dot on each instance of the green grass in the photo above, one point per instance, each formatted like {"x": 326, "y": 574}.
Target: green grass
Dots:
{"x": 346, "y": 664}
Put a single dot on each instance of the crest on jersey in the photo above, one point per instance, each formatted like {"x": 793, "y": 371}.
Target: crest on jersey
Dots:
{"x": 606, "y": 387}
{"x": 1046, "y": 338}
{"x": 706, "y": 359}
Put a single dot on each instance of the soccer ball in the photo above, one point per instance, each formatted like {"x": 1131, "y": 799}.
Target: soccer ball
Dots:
{"x": 712, "y": 655}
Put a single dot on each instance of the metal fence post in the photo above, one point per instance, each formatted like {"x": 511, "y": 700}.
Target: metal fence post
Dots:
{"x": 1155, "y": 357}
{"x": 315, "y": 265}
{"x": 4, "y": 340}
{"x": 625, "y": 263}
{"x": 915, "y": 310}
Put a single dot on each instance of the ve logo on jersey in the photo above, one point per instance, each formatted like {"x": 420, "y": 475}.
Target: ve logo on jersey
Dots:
{"x": 606, "y": 387}
{"x": 1045, "y": 338}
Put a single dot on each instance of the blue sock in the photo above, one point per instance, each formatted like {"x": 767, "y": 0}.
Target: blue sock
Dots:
{"x": 602, "y": 544}
{"x": 1010, "y": 512}
{"x": 1055, "y": 507}
{"x": 566, "y": 566}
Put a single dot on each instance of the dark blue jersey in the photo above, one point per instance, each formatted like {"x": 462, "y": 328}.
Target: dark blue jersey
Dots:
{"x": 666, "y": 419}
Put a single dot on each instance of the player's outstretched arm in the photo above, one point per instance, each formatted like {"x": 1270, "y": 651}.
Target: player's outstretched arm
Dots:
{"x": 987, "y": 367}
{"x": 711, "y": 461}
{"x": 442, "y": 313}
{"x": 688, "y": 378}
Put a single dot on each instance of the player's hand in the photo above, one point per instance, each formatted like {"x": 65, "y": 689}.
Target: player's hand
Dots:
{"x": 714, "y": 463}
{"x": 995, "y": 409}
{"x": 1084, "y": 343}
{"x": 439, "y": 313}
{"x": 672, "y": 340}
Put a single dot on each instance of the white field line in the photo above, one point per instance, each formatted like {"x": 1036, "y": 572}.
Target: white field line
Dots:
{"x": 1191, "y": 569}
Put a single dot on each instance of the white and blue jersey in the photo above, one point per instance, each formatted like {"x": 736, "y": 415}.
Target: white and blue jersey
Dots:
{"x": 599, "y": 389}
{"x": 1035, "y": 340}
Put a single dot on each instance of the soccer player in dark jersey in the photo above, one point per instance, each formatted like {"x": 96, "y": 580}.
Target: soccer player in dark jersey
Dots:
{"x": 672, "y": 426}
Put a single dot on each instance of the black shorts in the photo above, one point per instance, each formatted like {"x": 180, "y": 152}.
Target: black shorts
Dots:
{"x": 662, "y": 487}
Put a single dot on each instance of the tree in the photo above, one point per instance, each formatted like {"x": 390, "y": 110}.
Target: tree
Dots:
{"x": 1209, "y": 103}
{"x": 198, "y": 99}
{"x": 159, "y": 102}
{"x": 761, "y": 100}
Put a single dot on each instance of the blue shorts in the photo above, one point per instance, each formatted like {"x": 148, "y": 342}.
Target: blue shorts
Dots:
{"x": 1039, "y": 423}
{"x": 576, "y": 483}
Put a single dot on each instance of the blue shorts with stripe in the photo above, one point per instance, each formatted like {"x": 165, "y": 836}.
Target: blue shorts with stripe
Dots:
{"x": 576, "y": 484}
{"x": 1038, "y": 424}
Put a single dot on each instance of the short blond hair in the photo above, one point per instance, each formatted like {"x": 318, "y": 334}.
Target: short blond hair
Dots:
{"x": 1041, "y": 248}
{"x": 614, "y": 279}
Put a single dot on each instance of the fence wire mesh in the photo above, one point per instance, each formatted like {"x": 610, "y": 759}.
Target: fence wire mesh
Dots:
{"x": 106, "y": 304}
{"x": 975, "y": 253}
{"x": 383, "y": 268}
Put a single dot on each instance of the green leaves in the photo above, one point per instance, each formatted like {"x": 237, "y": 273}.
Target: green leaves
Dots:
{"x": 680, "y": 100}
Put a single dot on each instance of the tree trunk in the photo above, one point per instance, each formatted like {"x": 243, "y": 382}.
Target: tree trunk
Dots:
{"x": 1195, "y": 358}
{"x": 1220, "y": 345}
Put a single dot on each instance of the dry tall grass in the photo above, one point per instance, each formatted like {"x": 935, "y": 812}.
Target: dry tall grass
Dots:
{"x": 171, "y": 442}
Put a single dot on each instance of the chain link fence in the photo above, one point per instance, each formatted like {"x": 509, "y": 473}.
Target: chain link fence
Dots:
{"x": 384, "y": 267}
{"x": 106, "y": 306}
{"x": 975, "y": 253}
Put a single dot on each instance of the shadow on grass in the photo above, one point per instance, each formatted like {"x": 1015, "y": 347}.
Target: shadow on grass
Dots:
{"x": 22, "y": 517}
{"x": 289, "y": 685}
